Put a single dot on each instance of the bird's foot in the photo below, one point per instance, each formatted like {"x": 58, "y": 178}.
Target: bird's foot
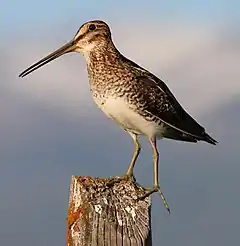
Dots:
{"x": 126, "y": 177}
{"x": 150, "y": 191}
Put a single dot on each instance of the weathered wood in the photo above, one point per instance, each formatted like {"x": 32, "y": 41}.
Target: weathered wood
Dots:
{"x": 100, "y": 214}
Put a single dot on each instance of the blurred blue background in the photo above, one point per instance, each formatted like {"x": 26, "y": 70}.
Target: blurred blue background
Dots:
{"x": 50, "y": 129}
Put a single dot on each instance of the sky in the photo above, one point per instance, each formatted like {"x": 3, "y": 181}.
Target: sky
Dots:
{"x": 50, "y": 128}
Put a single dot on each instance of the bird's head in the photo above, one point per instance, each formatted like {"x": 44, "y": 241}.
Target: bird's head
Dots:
{"x": 93, "y": 35}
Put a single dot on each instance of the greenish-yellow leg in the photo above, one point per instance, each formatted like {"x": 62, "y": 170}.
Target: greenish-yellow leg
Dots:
{"x": 137, "y": 149}
{"x": 129, "y": 173}
{"x": 156, "y": 187}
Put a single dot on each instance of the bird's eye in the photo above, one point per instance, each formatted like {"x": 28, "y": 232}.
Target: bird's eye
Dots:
{"x": 92, "y": 27}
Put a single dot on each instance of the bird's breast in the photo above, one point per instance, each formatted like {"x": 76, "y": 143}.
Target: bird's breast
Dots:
{"x": 126, "y": 115}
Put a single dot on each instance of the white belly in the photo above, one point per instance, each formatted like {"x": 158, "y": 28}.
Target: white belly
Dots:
{"x": 121, "y": 112}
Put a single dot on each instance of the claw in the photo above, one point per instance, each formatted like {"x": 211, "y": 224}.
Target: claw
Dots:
{"x": 150, "y": 191}
{"x": 125, "y": 177}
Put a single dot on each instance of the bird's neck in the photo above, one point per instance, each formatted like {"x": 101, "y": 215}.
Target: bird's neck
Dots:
{"x": 103, "y": 66}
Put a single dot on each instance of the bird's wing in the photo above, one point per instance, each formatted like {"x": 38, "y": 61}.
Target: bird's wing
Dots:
{"x": 161, "y": 103}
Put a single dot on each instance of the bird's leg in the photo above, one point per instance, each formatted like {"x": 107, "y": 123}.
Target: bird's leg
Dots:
{"x": 137, "y": 149}
{"x": 129, "y": 173}
{"x": 156, "y": 187}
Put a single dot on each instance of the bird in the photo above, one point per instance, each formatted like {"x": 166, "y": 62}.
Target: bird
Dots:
{"x": 130, "y": 95}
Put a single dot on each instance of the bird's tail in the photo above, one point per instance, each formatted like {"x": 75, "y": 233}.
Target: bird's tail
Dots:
{"x": 207, "y": 138}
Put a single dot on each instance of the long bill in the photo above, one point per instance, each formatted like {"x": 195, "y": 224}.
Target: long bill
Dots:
{"x": 70, "y": 46}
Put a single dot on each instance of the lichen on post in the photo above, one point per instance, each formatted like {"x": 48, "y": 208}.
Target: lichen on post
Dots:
{"x": 110, "y": 215}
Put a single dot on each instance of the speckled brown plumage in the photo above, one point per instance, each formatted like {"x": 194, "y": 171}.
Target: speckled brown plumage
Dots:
{"x": 110, "y": 73}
